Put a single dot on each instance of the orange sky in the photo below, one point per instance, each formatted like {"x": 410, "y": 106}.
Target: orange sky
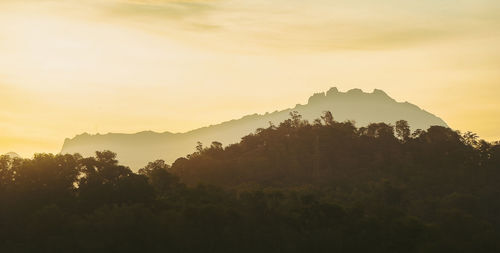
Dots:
{"x": 68, "y": 67}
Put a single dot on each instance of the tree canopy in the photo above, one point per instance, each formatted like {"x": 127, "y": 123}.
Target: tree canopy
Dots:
{"x": 295, "y": 187}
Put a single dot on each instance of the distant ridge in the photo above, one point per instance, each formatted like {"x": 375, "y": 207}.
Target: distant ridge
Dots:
{"x": 136, "y": 150}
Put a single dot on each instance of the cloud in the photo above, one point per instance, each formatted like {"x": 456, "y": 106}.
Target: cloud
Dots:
{"x": 339, "y": 36}
{"x": 315, "y": 25}
{"x": 291, "y": 25}
{"x": 163, "y": 14}
{"x": 162, "y": 9}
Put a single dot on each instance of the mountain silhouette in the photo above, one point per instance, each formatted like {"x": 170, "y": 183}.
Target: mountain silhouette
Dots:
{"x": 136, "y": 150}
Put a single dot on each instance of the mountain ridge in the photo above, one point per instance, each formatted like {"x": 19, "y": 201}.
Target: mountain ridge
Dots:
{"x": 136, "y": 149}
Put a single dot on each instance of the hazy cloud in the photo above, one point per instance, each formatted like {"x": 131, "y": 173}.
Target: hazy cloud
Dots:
{"x": 162, "y": 9}
{"x": 313, "y": 25}
{"x": 296, "y": 25}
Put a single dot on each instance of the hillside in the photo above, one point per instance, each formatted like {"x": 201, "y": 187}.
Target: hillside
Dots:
{"x": 294, "y": 187}
{"x": 135, "y": 150}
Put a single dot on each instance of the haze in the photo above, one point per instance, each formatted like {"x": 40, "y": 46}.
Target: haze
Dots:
{"x": 68, "y": 67}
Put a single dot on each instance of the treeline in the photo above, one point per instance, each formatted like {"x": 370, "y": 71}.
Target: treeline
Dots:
{"x": 325, "y": 186}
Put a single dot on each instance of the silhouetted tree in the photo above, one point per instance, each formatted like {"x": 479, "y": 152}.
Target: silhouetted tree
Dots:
{"x": 403, "y": 131}
{"x": 327, "y": 118}
{"x": 159, "y": 177}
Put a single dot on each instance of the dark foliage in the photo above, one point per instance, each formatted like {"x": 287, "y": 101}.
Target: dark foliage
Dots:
{"x": 296, "y": 187}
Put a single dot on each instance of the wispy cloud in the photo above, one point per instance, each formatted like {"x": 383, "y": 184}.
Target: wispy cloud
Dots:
{"x": 164, "y": 9}
{"x": 296, "y": 25}
{"x": 311, "y": 25}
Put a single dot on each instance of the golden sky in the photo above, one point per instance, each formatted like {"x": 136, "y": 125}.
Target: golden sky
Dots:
{"x": 74, "y": 66}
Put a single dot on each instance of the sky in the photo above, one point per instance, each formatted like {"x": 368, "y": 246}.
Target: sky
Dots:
{"x": 99, "y": 66}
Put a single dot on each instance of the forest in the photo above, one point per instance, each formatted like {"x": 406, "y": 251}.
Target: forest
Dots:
{"x": 322, "y": 186}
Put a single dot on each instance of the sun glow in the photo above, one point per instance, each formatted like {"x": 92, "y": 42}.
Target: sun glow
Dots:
{"x": 68, "y": 67}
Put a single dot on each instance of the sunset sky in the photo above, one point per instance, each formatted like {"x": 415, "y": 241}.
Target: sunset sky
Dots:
{"x": 99, "y": 66}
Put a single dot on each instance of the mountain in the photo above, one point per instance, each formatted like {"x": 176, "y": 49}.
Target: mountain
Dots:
{"x": 136, "y": 150}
